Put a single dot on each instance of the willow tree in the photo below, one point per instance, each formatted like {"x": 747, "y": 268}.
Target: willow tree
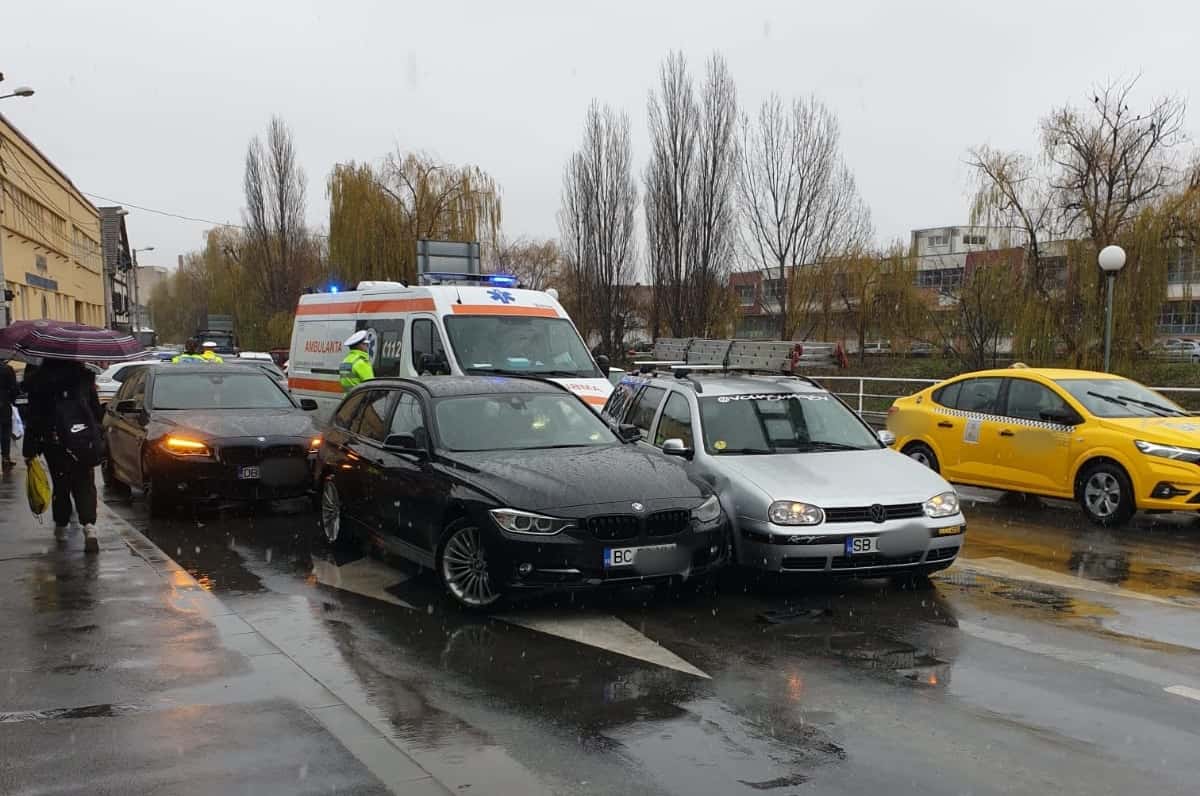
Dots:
{"x": 378, "y": 213}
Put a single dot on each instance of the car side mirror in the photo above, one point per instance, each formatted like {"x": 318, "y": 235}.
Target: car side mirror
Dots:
{"x": 126, "y": 407}
{"x": 629, "y": 433}
{"x": 405, "y": 443}
{"x": 434, "y": 365}
{"x": 675, "y": 447}
{"x": 887, "y": 438}
{"x": 603, "y": 363}
{"x": 308, "y": 404}
{"x": 1065, "y": 417}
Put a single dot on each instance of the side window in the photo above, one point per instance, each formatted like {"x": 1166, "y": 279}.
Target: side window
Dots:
{"x": 676, "y": 421}
{"x": 372, "y": 420}
{"x": 1028, "y": 399}
{"x": 389, "y": 340}
{"x": 618, "y": 402}
{"x": 980, "y": 395}
{"x": 642, "y": 412}
{"x": 425, "y": 341}
{"x": 135, "y": 387}
{"x": 948, "y": 396}
{"x": 409, "y": 419}
{"x": 345, "y": 413}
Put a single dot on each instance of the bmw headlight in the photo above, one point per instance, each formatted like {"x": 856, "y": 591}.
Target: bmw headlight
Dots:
{"x": 515, "y": 521}
{"x": 708, "y": 511}
{"x": 943, "y": 505}
{"x": 792, "y": 512}
{"x": 1168, "y": 451}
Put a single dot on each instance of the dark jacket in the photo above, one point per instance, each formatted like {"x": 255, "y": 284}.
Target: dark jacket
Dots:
{"x": 53, "y": 381}
{"x": 8, "y": 386}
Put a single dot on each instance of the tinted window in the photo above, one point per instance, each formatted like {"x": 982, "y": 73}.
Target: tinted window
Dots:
{"x": 1028, "y": 399}
{"x": 948, "y": 395}
{"x": 619, "y": 401}
{"x": 979, "y": 395}
{"x": 518, "y": 422}
{"x": 134, "y": 386}
{"x": 425, "y": 342}
{"x": 372, "y": 420}
{"x": 781, "y": 423}
{"x": 676, "y": 421}
{"x": 218, "y": 391}
{"x": 642, "y": 412}
{"x": 408, "y": 418}
{"x": 345, "y": 413}
{"x": 487, "y": 343}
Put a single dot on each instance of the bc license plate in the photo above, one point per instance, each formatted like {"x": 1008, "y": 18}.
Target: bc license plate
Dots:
{"x": 627, "y": 556}
{"x": 856, "y": 545}
{"x": 248, "y": 473}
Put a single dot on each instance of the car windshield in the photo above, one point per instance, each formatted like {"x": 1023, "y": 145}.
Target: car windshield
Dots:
{"x": 1120, "y": 398}
{"x": 500, "y": 344}
{"x": 217, "y": 391}
{"x": 781, "y": 423}
{"x": 519, "y": 422}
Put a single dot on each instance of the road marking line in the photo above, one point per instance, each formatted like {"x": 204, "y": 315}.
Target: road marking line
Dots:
{"x": 1184, "y": 691}
{"x": 1014, "y": 570}
{"x": 365, "y": 576}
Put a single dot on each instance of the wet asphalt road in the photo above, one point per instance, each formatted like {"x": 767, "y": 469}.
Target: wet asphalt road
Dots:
{"x": 1055, "y": 657}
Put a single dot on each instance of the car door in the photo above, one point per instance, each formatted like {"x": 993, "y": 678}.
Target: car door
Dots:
{"x": 411, "y": 497}
{"x": 125, "y": 431}
{"x": 1032, "y": 451}
{"x": 942, "y": 426}
{"x": 365, "y": 457}
{"x": 977, "y": 427}
{"x": 427, "y": 342}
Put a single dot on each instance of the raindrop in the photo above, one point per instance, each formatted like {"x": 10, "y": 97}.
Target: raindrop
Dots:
{"x": 430, "y": 609}
{"x": 303, "y": 771}
{"x": 197, "y": 549}
{"x": 270, "y": 552}
{"x": 178, "y": 551}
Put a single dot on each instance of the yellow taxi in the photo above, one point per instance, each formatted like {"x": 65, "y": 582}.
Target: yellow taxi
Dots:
{"x": 1109, "y": 443}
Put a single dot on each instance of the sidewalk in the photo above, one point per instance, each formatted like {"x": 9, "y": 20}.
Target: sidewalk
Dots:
{"x": 120, "y": 674}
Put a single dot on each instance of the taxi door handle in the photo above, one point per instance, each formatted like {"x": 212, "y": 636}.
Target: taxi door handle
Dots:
{"x": 945, "y": 424}
{"x": 1006, "y": 433}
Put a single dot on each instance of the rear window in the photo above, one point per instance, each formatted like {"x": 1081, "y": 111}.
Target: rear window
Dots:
{"x": 948, "y": 395}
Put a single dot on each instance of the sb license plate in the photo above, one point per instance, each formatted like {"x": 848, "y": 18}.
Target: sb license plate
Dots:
{"x": 627, "y": 556}
{"x": 856, "y": 545}
{"x": 248, "y": 473}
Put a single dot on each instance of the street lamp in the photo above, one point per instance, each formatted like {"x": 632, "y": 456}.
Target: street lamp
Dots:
{"x": 1111, "y": 259}
{"x": 137, "y": 308}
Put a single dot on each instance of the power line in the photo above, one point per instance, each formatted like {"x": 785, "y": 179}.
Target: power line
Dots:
{"x": 162, "y": 212}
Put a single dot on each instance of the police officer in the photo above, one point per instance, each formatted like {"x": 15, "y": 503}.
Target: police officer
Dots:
{"x": 356, "y": 367}
{"x": 190, "y": 354}
{"x": 210, "y": 353}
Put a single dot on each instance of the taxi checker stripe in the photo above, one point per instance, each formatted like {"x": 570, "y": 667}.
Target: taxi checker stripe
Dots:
{"x": 504, "y": 309}
{"x": 1016, "y": 421}
{"x": 368, "y": 306}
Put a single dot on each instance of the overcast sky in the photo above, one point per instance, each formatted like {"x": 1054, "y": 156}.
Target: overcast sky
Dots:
{"x": 152, "y": 103}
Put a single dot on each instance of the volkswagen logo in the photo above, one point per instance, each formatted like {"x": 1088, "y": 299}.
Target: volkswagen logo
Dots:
{"x": 637, "y": 507}
{"x": 878, "y": 513}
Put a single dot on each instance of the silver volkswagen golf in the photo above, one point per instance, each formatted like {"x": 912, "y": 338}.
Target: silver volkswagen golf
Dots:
{"x": 808, "y": 486}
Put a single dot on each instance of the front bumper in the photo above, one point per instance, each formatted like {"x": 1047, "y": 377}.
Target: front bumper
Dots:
{"x": 920, "y": 544}
{"x": 214, "y": 479}
{"x": 574, "y": 559}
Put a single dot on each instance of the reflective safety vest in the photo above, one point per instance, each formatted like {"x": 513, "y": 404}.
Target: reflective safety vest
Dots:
{"x": 355, "y": 369}
{"x": 185, "y": 357}
{"x": 211, "y": 358}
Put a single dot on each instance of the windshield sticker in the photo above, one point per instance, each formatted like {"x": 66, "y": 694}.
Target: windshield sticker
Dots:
{"x": 775, "y": 396}
{"x": 971, "y": 432}
{"x": 719, "y": 445}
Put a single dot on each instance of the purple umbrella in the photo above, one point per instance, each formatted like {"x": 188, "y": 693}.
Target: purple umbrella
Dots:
{"x": 35, "y": 340}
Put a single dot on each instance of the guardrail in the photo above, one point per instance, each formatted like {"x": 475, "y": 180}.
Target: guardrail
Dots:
{"x": 871, "y": 396}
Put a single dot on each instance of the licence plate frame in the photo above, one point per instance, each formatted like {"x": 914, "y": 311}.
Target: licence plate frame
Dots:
{"x": 621, "y": 557}
{"x": 249, "y": 473}
{"x": 861, "y": 545}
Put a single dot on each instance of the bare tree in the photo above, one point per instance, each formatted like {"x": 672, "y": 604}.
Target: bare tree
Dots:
{"x": 597, "y": 218}
{"x": 535, "y": 262}
{"x": 798, "y": 200}
{"x": 276, "y": 236}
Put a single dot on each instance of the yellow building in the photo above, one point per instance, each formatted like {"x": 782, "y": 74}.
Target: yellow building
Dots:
{"x": 49, "y": 238}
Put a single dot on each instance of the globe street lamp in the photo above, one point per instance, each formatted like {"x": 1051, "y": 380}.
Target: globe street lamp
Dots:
{"x": 1111, "y": 259}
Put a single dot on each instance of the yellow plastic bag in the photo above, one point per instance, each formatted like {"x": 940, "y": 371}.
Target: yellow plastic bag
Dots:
{"x": 37, "y": 485}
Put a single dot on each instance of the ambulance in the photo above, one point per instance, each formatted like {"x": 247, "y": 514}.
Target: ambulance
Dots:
{"x": 451, "y": 324}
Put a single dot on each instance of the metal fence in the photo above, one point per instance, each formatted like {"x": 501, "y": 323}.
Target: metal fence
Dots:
{"x": 871, "y": 396}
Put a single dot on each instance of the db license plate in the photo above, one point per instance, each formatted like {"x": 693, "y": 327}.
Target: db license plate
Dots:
{"x": 627, "y": 556}
{"x": 856, "y": 545}
{"x": 248, "y": 473}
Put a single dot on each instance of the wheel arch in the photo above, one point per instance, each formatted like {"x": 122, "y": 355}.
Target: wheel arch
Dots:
{"x": 1094, "y": 459}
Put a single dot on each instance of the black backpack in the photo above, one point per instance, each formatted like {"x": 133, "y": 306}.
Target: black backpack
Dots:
{"x": 76, "y": 428}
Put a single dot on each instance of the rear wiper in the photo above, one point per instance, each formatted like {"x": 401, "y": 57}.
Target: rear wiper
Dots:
{"x": 1152, "y": 405}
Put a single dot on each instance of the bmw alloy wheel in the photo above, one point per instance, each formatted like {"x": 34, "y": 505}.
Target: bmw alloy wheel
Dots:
{"x": 465, "y": 568}
{"x": 331, "y": 512}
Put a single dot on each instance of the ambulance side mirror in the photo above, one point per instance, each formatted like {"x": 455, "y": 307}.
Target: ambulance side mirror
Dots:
{"x": 434, "y": 365}
{"x": 603, "y": 362}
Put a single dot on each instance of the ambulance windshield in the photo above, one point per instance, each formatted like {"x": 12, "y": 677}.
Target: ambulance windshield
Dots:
{"x": 508, "y": 344}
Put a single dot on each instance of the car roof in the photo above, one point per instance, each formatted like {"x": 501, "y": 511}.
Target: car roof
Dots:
{"x": 1046, "y": 373}
{"x": 204, "y": 367}
{"x": 728, "y": 382}
{"x": 446, "y": 386}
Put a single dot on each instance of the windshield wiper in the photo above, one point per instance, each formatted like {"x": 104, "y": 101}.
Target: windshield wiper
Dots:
{"x": 828, "y": 446}
{"x": 535, "y": 373}
{"x": 1151, "y": 405}
{"x": 744, "y": 451}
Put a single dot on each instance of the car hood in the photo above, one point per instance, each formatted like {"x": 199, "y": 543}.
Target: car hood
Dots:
{"x": 579, "y": 478}
{"x": 837, "y": 478}
{"x": 228, "y": 423}
{"x": 1183, "y": 431}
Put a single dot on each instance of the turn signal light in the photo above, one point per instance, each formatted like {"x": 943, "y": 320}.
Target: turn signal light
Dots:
{"x": 314, "y": 445}
{"x": 182, "y": 446}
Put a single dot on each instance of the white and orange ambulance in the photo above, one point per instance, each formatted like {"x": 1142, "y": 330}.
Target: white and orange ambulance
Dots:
{"x": 458, "y": 325}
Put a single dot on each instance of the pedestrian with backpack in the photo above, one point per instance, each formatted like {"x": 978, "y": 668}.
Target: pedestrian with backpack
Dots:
{"x": 63, "y": 424}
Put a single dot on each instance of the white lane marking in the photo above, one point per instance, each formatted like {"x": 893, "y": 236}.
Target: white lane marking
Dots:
{"x": 365, "y": 576}
{"x": 605, "y": 632}
{"x": 1007, "y": 568}
{"x": 1184, "y": 691}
